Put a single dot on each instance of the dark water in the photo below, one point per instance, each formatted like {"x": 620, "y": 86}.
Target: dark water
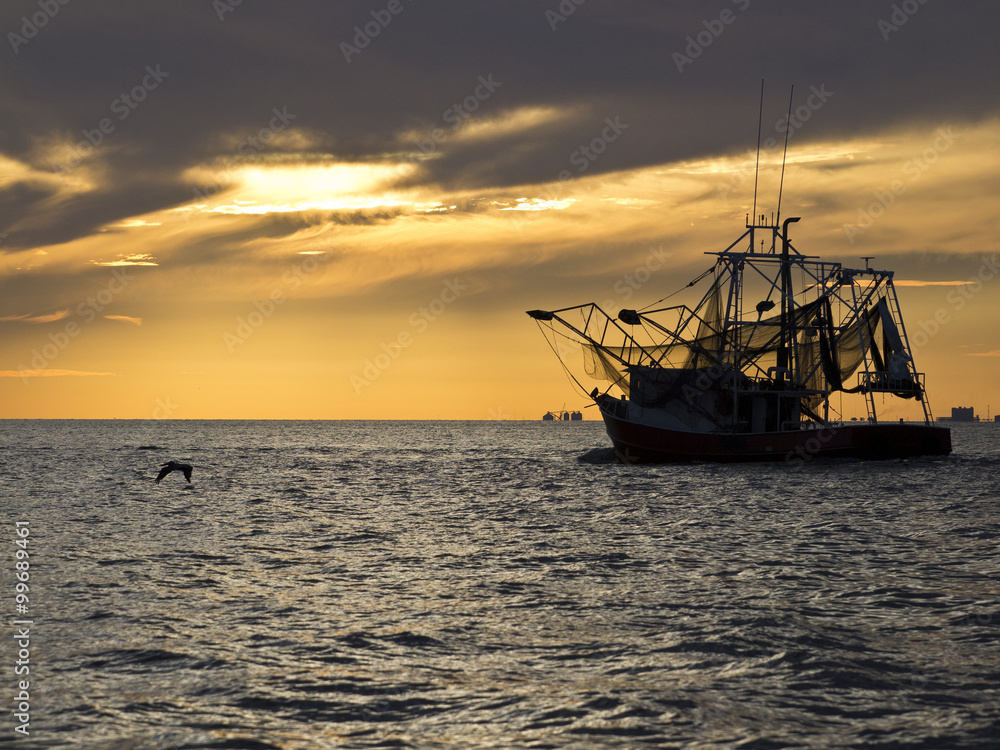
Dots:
{"x": 476, "y": 585}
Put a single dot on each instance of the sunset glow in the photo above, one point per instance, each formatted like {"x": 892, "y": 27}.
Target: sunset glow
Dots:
{"x": 279, "y": 280}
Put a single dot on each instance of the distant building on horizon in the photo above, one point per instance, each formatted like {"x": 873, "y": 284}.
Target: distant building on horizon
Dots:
{"x": 563, "y": 416}
{"x": 963, "y": 414}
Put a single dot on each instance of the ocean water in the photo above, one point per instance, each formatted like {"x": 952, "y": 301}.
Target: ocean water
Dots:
{"x": 491, "y": 585}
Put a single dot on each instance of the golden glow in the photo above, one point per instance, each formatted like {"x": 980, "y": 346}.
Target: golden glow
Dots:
{"x": 42, "y": 318}
{"x": 125, "y": 319}
{"x": 312, "y": 289}
{"x": 280, "y": 188}
{"x": 13, "y": 171}
{"x": 537, "y": 204}
{"x": 131, "y": 223}
{"x": 50, "y": 374}
{"x": 512, "y": 122}
{"x": 135, "y": 259}
{"x": 58, "y": 164}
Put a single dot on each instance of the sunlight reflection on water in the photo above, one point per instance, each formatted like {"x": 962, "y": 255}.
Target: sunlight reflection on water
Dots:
{"x": 353, "y": 584}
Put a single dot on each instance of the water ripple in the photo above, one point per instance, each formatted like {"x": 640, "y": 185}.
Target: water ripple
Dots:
{"x": 499, "y": 585}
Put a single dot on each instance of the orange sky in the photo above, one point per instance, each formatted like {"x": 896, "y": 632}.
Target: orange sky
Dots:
{"x": 415, "y": 309}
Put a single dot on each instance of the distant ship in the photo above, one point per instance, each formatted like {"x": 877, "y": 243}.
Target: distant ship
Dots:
{"x": 723, "y": 381}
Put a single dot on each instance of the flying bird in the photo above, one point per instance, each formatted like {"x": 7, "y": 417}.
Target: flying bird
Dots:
{"x": 174, "y": 466}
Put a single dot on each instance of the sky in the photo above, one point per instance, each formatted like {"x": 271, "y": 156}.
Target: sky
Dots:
{"x": 316, "y": 210}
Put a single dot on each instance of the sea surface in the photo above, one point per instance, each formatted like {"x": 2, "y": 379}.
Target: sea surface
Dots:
{"x": 491, "y": 585}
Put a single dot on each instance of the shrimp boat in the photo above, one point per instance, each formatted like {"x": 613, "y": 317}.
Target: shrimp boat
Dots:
{"x": 734, "y": 379}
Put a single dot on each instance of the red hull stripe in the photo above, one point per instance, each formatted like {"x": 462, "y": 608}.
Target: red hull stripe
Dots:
{"x": 642, "y": 443}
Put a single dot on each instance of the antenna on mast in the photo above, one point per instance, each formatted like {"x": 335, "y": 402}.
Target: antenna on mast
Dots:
{"x": 781, "y": 185}
{"x": 756, "y": 171}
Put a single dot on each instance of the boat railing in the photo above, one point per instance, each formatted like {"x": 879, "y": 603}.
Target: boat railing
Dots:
{"x": 881, "y": 381}
{"x": 762, "y": 386}
{"x": 810, "y": 425}
{"x": 614, "y": 406}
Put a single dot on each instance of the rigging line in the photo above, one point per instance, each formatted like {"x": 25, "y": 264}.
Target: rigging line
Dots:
{"x": 781, "y": 184}
{"x": 672, "y": 294}
{"x": 756, "y": 170}
{"x": 559, "y": 358}
{"x": 569, "y": 373}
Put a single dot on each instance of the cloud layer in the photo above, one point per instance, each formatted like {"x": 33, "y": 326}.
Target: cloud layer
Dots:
{"x": 133, "y": 97}
{"x": 177, "y": 166}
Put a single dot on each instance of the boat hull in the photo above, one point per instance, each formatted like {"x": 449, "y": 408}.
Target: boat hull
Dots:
{"x": 639, "y": 443}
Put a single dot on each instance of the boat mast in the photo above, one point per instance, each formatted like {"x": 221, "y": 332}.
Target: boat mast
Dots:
{"x": 786, "y": 270}
{"x": 781, "y": 183}
{"x": 756, "y": 171}
{"x": 786, "y": 303}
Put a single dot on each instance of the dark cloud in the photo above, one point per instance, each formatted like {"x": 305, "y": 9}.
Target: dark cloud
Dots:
{"x": 129, "y": 195}
{"x": 683, "y": 76}
{"x": 17, "y": 200}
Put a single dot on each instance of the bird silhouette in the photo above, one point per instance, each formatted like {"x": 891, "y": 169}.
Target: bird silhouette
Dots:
{"x": 174, "y": 466}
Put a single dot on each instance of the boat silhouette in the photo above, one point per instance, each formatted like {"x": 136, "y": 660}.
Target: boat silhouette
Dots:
{"x": 747, "y": 372}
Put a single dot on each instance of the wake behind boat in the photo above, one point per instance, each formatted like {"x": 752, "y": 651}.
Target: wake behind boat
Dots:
{"x": 722, "y": 382}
